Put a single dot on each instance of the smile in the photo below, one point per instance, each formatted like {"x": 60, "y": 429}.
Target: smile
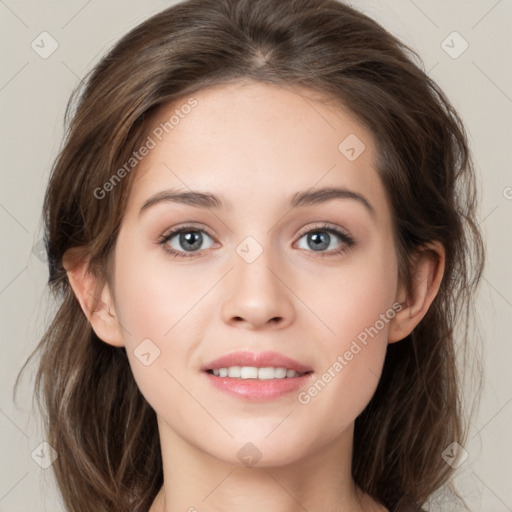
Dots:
{"x": 253, "y": 372}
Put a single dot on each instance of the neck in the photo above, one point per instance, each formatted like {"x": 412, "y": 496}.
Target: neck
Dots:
{"x": 195, "y": 481}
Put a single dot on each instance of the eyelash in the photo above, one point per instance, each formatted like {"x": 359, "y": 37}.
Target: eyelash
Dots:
{"x": 346, "y": 239}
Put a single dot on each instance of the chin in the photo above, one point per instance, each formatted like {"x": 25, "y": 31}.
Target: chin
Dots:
{"x": 257, "y": 451}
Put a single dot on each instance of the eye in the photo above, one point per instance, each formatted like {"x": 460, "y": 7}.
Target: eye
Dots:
{"x": 188, "y": 239}
{"x": 321, "y": 237}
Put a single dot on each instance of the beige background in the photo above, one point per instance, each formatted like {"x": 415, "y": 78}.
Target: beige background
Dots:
{"x": 33, "y": 96}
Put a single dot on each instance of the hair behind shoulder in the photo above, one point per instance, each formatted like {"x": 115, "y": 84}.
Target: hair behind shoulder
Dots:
{"x": 95, "y": 417}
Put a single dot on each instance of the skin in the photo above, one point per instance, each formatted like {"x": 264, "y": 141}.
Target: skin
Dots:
{"x": 256, "y": 145}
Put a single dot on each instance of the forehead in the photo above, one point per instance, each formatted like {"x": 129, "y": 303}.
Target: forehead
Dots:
{"x": 249, "y": 141}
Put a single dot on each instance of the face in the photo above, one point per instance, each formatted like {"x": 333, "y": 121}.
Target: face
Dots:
{"x": 276, "y": 263}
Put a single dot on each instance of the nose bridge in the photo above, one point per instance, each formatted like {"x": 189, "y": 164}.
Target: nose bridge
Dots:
{"x": 256, "y": 292}
{"x": 255, "y": 259}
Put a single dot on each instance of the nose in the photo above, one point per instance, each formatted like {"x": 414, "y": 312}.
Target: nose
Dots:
{"x": 257, "y": 295}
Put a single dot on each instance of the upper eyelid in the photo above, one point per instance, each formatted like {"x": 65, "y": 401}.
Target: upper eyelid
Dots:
{"x": 171, "y": 232}
{"x": 327, "y": 227}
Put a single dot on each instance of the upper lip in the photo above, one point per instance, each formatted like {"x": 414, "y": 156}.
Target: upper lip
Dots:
{"x": 256, "y": 359}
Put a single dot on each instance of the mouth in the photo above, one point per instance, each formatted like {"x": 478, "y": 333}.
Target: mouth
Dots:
{"x": 257, "y": 377}
{"x": 256, "y": 365}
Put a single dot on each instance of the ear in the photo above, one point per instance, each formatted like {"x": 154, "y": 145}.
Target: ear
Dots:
{"x": 95, "y": 298}
{"x": 427, "y": 277}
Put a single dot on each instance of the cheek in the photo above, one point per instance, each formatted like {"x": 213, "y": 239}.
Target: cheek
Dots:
{"x": 161, "y": 307}
{"x": 355, "y": 295}
{"x": 152, "y": 294}
{"x": 150, "y": 310}
{"x": 357, "y": 306}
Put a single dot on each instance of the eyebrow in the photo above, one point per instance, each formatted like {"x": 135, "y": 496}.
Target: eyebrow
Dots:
{"x": 211, "y": 201}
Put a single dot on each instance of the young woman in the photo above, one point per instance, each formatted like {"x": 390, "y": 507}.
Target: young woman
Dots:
{"x": 261, "y": 228}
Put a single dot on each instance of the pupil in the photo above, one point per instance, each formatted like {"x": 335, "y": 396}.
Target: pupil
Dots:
{"x": 189, "y": 236}
{"x": 317, "y": 243}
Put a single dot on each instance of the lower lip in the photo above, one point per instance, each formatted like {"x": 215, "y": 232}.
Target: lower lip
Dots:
{"x": 258, "y": 390}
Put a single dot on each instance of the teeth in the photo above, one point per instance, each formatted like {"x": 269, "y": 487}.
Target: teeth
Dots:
{"x": 234, "y": 371}
{"x": 252, "y": 372}
{"x": 248, "y": 372}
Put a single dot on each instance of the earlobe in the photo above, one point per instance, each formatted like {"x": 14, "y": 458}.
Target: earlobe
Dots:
{"x": 96, "y": 303}
{"x": 427, "y": 275}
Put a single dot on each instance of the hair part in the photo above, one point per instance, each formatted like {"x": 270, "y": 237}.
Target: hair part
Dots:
{"x": 103, "y": 429}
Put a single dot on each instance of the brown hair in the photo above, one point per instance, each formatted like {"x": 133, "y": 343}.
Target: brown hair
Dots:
{"x": 95, "y": 417}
